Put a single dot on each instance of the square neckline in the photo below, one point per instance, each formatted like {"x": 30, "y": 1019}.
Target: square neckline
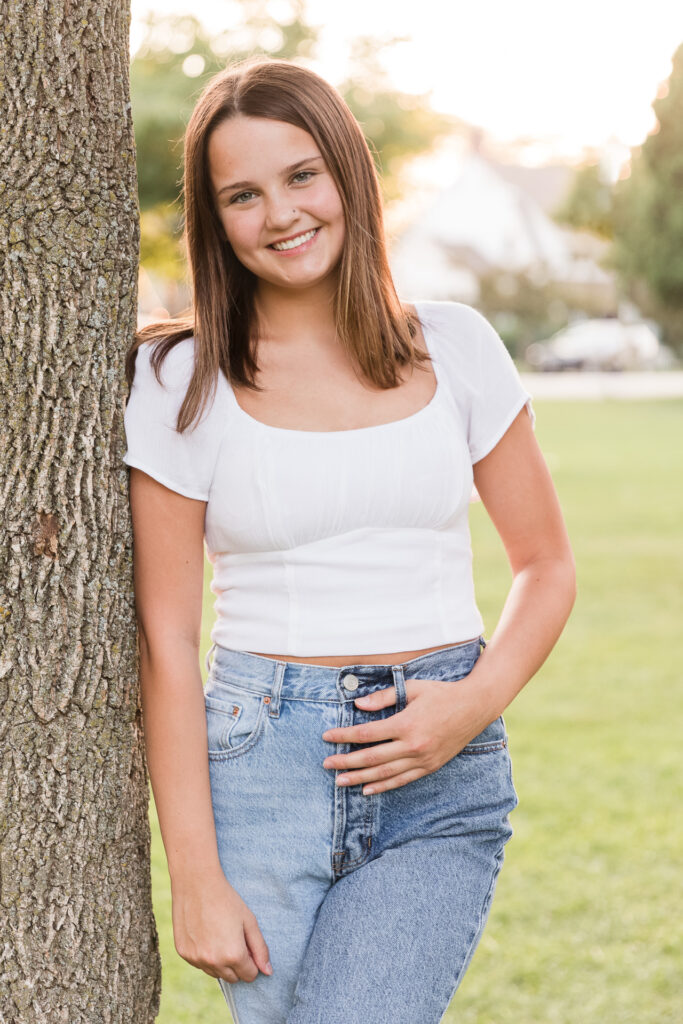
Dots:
{"x": 431, "y": 404}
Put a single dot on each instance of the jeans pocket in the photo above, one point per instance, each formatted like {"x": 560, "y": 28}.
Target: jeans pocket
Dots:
{"x": 492, "y": 738}
{"x": 234, "y": 719}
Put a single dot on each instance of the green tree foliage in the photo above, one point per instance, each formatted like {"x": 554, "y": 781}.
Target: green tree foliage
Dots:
{"x": 648, "y": 215}
{"x": 589, "y": 202}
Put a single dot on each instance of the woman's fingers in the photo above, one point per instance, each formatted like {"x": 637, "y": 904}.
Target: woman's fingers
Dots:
{"x": 369, "y": 757}
{"x": 378, "y": 773}
{"x": 395, "y": 781}
{"x": 386, "y": 697}
{"x": 366, "y": 732}
{"x": 257, "y": 944}
{"x": 379, "y": 699}
{"x": 384, "y": 728}
{"x": 381, "y": 761}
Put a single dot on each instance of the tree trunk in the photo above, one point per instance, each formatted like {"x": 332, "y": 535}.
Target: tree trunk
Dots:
{"x": 78, "y": 942}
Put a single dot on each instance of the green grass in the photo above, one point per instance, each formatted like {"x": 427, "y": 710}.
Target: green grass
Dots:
{"x": 586, "y": 925}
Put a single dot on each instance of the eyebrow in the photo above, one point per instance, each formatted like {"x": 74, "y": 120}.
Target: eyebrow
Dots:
{"x": 287, "y": 170}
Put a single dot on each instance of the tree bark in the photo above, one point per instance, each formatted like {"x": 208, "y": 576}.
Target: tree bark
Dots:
{"x": 78, "y": 941}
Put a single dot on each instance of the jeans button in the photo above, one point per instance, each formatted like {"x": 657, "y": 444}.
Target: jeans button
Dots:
{"x": 350, "y": 681}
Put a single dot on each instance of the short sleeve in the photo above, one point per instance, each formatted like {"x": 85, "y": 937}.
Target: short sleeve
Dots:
{"x": 183, "y": 462}
{"x": 497, "y": 393}
{"x": 484, "y": 384}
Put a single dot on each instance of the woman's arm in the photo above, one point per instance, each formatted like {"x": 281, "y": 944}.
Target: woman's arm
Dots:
{"x": 213, "y": 928}
{"x": 517, "y": 491}
{"x": 169, "y": 571}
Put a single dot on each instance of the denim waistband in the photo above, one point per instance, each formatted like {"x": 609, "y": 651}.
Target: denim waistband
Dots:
{"x": 295, "y": 679}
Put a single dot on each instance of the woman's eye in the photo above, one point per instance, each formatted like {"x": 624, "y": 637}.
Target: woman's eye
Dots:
{"x": 301, "y": 177}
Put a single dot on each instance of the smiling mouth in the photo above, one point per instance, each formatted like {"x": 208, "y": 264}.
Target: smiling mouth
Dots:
{"x": 295, "y": 243}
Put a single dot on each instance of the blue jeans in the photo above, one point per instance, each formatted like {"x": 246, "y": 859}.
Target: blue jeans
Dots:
{"x": 371, "y": 906}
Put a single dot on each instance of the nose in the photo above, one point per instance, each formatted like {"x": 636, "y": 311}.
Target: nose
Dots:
{"x": 280, "y": 213}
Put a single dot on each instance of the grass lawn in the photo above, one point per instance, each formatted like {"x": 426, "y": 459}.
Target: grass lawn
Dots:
{"x": 586, "y": 925}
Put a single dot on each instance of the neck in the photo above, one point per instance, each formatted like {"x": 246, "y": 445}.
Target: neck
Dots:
{"x": 295, "y": 313}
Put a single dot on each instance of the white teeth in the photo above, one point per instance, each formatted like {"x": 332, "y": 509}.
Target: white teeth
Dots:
{"x": 293, "y": 242}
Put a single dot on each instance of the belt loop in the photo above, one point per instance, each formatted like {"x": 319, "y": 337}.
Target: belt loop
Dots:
{"x": 482, "y": 641}
{"x": 274, "y": 699}
{"x": 398, "y": 673}
{"x": 210, "y": 651}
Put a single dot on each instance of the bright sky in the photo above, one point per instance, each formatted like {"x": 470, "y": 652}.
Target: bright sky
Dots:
{"x": 568, "y": 74}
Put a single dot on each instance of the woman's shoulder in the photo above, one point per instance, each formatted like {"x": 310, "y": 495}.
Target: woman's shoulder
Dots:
{"x": 449, "y": 313}
{"x": 458, "y": 333}
{"x": 480, "y": 371}
{"x": 175, "y": 368}
{"x": 183, "y": 461}
{"x": 163, "y": 390}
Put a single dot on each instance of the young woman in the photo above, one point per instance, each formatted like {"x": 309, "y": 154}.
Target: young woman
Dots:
{"x": 334, "y": 806}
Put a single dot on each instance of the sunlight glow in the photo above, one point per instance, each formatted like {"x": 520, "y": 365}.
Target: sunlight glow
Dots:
{"x": 560, "y": 77}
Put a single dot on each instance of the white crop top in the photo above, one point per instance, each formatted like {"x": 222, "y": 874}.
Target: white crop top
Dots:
{"x": 337, "y": 542}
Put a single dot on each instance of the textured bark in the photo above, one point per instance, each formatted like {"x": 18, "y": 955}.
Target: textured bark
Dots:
{"x": 78, "y": 942}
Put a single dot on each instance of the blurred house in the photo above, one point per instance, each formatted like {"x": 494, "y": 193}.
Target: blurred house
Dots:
{"x": 493, "y": 218}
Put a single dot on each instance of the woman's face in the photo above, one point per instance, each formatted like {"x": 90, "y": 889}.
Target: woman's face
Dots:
{"x": 271, "y": 184}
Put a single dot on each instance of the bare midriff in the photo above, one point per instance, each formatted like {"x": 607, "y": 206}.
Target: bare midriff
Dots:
{"x": 338, "y": 661}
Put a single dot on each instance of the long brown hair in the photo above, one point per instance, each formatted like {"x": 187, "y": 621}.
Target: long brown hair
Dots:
{"x": 371, "y": 322}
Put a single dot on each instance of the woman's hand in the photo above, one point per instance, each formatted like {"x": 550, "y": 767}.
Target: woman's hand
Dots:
{"x": 440, "y": 718}
{"x": 215, "y": 930}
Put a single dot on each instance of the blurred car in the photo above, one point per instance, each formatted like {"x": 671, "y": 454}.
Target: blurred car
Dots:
{"x": 600, "y": 344}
